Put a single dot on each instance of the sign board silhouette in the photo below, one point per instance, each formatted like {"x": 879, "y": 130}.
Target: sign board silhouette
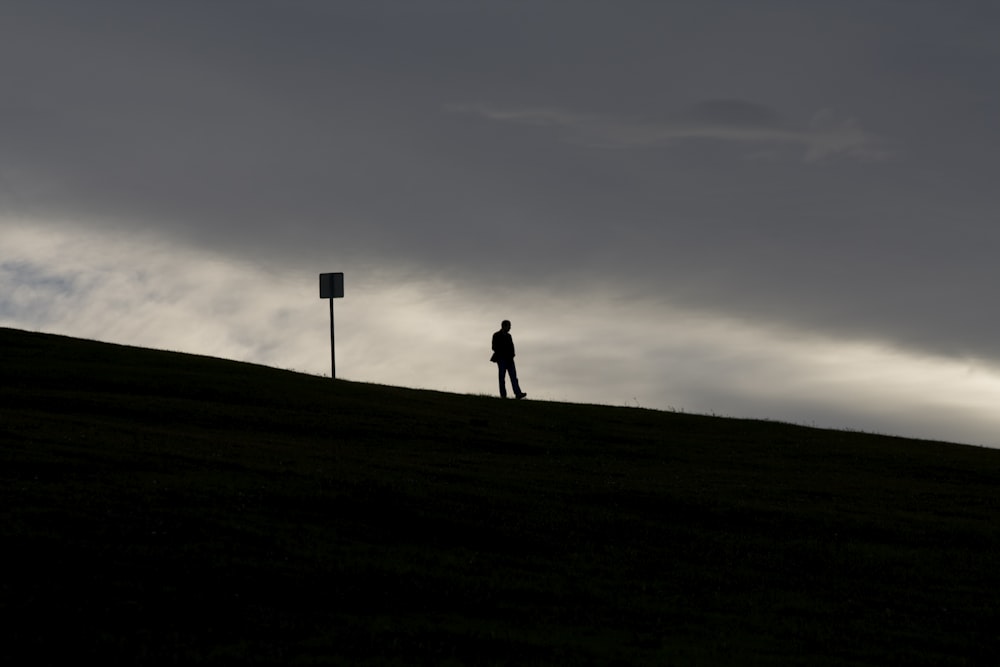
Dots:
{"x": 331, "y": 286}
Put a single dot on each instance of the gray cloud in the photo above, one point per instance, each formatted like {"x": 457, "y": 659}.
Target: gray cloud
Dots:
{"x": 721, "y": 120}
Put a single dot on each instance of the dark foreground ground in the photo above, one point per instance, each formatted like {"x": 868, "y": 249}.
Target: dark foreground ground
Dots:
{"x": 158, "y": 508}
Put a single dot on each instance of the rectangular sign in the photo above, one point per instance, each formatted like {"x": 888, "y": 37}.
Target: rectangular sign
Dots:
{"x": 331, "y": 285}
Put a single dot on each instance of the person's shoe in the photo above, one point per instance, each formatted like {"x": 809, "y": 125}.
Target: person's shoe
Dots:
{"x": 521, "y": 395}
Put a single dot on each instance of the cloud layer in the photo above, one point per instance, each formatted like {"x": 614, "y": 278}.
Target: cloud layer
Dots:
{"x": 723, "y": 120}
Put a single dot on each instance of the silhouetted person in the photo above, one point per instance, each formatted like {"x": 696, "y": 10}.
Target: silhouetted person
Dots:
{"x": 503, "y": 355}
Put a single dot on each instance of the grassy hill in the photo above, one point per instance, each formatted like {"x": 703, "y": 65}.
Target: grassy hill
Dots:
{"x": 162, "y": 508}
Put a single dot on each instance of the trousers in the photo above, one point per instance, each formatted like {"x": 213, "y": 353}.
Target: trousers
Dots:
{"x": 507, "y": 367}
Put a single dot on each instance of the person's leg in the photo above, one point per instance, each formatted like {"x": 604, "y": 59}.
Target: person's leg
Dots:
{"x": 512, "y": 371}
{"x": 502, "y": 368}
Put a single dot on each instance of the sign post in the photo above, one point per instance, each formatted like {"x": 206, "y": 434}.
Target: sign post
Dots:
{"x": 331, "y": 286}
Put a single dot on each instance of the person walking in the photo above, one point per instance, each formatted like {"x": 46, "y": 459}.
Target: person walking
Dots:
{"x": 503, "y": 357}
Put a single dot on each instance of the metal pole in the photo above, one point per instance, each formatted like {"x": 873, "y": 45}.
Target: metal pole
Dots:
{"x": 333, "y": 355}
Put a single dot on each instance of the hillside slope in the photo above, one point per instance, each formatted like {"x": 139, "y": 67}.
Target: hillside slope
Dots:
{"x": 161, "y": 508}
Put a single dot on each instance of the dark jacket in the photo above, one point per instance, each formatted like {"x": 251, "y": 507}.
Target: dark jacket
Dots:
{"x": 503, "y": 345}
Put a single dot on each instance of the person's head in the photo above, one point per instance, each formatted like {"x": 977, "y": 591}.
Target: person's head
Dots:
{"x": 505, "y": 325}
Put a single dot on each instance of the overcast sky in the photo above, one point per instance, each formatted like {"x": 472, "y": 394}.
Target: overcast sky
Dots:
{"x": 778, "y": 209}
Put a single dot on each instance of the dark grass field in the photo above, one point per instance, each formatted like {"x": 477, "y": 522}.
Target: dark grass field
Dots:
{"x": 160, "y": 508}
